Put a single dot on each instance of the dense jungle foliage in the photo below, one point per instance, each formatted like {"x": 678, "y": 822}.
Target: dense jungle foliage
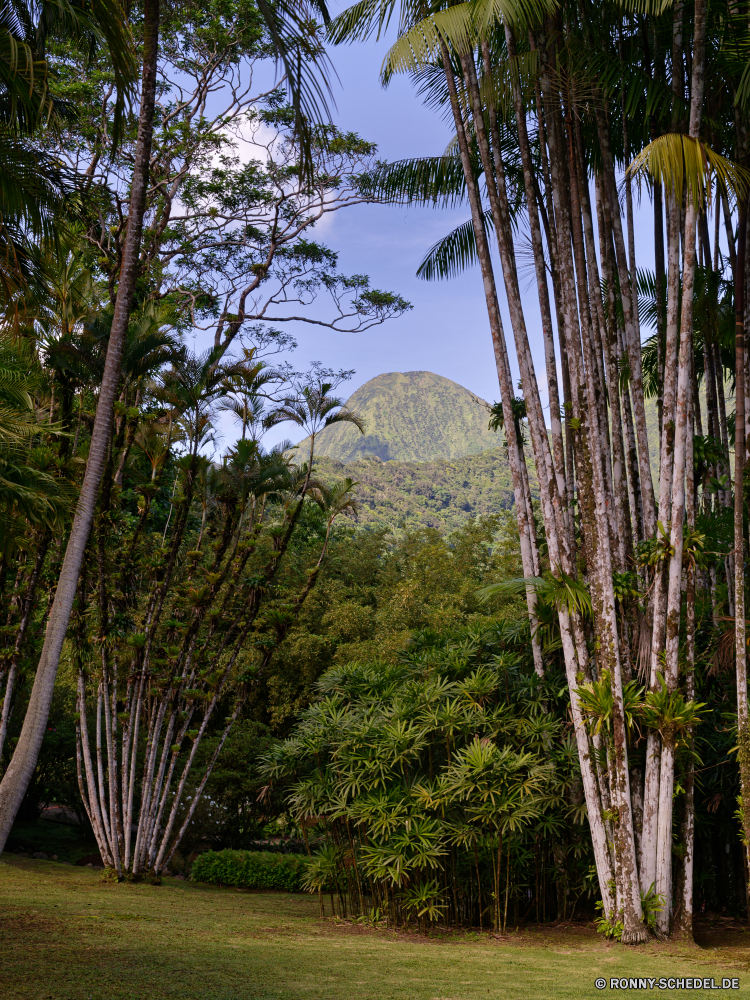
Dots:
{"x": 444, "y": 494}
{"x": 439, "y": 783}
{"x": 532, "y": 712}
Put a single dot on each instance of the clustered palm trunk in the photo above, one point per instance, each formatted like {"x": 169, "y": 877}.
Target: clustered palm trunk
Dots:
{"x": 542, "y": 107}
{"x": 177, "y": 616}
{"x": 145, "y": 707}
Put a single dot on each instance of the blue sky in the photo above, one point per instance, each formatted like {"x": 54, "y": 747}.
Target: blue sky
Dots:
{"x": 447, "y": 331}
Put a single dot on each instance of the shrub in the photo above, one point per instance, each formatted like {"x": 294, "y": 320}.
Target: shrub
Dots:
{"x": 249, "y": 869}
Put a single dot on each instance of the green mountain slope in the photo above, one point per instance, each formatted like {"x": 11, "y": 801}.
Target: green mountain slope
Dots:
{"x": 410, "y": 417}
{"x": 441, "y": 494}
{"x": 426, "y": 458}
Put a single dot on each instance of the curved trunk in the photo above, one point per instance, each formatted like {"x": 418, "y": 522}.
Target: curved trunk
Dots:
{"x": 18, "y": 775}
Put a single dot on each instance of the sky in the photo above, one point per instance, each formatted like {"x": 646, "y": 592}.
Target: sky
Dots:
{"x": 447, "y": 331}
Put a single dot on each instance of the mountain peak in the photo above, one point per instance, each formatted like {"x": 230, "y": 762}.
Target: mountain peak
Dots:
{"x": 411, "y": 417}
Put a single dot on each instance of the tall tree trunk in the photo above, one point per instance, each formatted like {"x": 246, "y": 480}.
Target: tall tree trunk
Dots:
{"x": 18, "y": 775}
{"x": 743, "y": 725}
{"x": 603, "y": 600}
{"x": 632, "y": 327}
{"x": 684, "y": 392}
{"x": 498, "y": 338}
{"x": 539, "y": 265}
{"x": 493, "y": 165}
{"x": 659, "y": 601}
{"x": 561, "y": 186}
{"x": 661, "y": 289}
{"x": 684, "y": 907}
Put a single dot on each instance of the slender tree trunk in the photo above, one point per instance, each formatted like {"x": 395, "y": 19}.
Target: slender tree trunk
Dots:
{"x": 728, "y": 229}
{"x": 661, "y": 288}
{"x": 622, "y": 489}
{"x": 743, "y": 725}
{"x": 603, "y": 599}
{"x": 684, "y": 908}
{"x": 632, "y": 327}
{"x": 501, "y": 216}
{"x": 659, "y": 600}
{"x": 674, "y": 594}
{"x": 684, "y": 391}
{"x": 18, "y": 775}
{"x": 498, "y": 335}
{"x": 539, "y": 265}
{"x": 562, "y": 185}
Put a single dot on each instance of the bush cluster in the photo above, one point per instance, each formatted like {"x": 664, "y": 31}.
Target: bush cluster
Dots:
{"x": 249, "y": 869}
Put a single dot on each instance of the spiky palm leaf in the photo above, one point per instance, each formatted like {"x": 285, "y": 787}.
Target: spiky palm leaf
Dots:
{"x": 683, "y": 164}
{"x": 560, "y": 592}
{"x": 435, "y": 180}
{"x": 460, "y": 27}
{"x": 452, "y": 254}
{"x": 313, "y": 408}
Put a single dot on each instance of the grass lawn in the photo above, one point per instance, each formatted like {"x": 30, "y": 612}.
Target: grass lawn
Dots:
{"x": 66, "y": 935}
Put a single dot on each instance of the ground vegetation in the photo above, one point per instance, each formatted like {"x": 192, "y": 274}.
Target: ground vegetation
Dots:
{"x": 250, "y": 944}
{"x": 561, "y": 115}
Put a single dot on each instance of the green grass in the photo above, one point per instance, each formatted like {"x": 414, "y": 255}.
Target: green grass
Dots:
{"x": 68, "y": 936}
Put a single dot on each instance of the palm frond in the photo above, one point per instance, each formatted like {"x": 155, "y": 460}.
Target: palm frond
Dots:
{"x": 683, "y": 164}
{"x": 306, "y": 65}
{"x": 652, "y": 7}
{"x": 358, "y": 22}
{"x": 437, "y": 180}
{"x": 453, "y": 253}
{"x": 461, "y": 27}
{"x": 560, "y": 592}
{"x": 89, "y": 25}
{"x": 346, "y": 417}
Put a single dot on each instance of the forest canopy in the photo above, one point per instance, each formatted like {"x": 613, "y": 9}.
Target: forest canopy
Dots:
{"x": 541, "y": 708}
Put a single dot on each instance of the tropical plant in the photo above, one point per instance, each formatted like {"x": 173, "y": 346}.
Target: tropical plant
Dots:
{"x": 242, "y": 227}
{"x": 433, "y": 784}
{"x": 550, "y": 104}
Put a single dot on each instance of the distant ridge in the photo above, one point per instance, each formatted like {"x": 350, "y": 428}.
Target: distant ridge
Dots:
{"x": 411, "y": 417}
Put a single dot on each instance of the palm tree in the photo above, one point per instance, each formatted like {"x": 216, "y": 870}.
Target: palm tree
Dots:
{"x": 312, "y": 409}
{"x": 557, "y": 68}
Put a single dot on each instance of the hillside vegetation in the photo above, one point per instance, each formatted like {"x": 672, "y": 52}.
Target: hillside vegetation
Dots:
{"x": 427, "y": 458}
{"x": 440, "y": 494}
{"x": 411, "y": 417}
